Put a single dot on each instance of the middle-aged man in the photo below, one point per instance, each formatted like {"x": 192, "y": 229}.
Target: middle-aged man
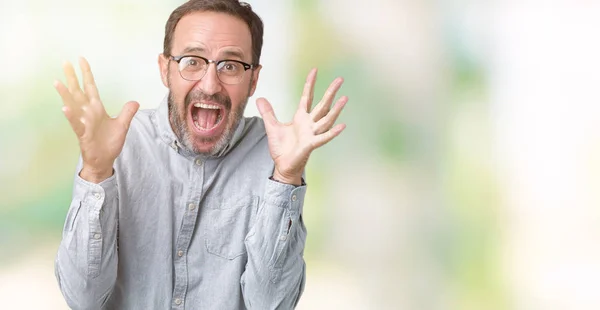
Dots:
{"x": 191, "y": 205}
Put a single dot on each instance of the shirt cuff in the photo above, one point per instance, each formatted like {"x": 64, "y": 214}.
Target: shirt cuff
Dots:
{"x": 285, "y": 196}
{"x": 92, "y": 194}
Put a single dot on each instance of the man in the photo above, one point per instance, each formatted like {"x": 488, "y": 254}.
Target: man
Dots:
{"x": 191, "y": 205}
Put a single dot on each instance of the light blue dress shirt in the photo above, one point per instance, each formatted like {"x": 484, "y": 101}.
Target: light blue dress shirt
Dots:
{"x": 174, "y": 230}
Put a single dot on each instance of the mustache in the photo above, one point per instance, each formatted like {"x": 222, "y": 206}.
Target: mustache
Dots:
{"x": 201, "y": 96}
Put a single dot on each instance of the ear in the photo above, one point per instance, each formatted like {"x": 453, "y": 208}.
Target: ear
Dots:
{"x": 163, "y": 66}
{"x": 255, "y": 74}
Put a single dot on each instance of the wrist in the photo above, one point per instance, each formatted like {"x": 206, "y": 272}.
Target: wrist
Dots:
{"x": 292, "y": 180}
{"x": 95, "y": 175}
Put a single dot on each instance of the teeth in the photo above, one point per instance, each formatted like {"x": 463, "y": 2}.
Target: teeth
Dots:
{"x": 206, "y": 106}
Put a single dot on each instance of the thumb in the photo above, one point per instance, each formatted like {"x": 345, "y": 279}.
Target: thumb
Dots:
{"x": 128, "y": 112}
{"x": 266, "y": 111}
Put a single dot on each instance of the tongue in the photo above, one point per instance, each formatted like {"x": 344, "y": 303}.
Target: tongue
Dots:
{"x": 207, "y": 118}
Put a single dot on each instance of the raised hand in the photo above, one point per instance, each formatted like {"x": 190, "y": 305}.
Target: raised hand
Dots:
{"x": 101, "y": 138}
{"x": 292, "y": 143}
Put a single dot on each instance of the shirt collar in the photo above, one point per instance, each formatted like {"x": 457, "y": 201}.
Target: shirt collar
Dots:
{"x": 163, "y": 125}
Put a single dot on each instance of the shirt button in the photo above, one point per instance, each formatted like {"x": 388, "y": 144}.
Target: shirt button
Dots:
{"x": 178, "y": 301}
{"x": 283, "y": 238}
{"x": 97, "y": 195}
{"x": 180, "y": 253}
{"x": 198, "y": 162}
{"x": 294, "y": 198}
{"x": 192, "y": 206}
{"x": 97, "y": 236}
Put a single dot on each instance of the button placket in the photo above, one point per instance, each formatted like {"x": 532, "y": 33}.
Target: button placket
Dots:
{"x": 186, "y": 230}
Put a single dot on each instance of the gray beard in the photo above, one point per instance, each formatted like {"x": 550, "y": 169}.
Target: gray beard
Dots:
{"x": 182, "y": 131}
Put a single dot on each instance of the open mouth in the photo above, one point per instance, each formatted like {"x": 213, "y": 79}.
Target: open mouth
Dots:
{"x": 207, "y": 117}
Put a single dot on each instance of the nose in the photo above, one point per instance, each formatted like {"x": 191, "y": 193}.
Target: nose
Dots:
{"x": 210, "y": 83}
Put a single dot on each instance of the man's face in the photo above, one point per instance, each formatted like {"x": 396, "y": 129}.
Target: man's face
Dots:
{"x": 205, "y": 113}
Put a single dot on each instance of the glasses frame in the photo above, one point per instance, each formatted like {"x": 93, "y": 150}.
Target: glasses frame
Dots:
{"x": 178, "y": 59}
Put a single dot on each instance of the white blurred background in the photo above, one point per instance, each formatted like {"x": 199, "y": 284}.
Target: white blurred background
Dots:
{"x": 467, "y": 177}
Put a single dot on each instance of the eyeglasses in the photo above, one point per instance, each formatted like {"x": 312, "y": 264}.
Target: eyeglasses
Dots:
{"x": 193, "y": 68}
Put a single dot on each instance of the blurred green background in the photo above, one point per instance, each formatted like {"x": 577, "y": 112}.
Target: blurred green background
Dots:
{"x": 466, "y": 179}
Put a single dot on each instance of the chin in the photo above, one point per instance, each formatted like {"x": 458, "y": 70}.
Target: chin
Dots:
{"x": 212, "y": 146}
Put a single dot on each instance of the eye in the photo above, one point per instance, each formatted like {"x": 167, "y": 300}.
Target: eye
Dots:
{"x": 230, "y": 66}
{"x": 192, "y": 62}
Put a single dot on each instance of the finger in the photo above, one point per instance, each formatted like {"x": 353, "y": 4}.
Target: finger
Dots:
{"x": 74, "y": 121}
{"x": 128, "y": 112}
{"x": 72, "y": 81}
{"x": 327, "y": 136}
{"x": 328, "y": 120}
{"x": 266, "y": 111}
{"x": 64, "y": 93}
{"x": 89, "y": 84}
{"x": 325, "y": 104}
{"x": 307, "y": 93}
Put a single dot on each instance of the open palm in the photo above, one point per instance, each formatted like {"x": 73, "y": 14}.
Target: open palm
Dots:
{"x": 101, "y": 138}
{"x": 291, "y": 144}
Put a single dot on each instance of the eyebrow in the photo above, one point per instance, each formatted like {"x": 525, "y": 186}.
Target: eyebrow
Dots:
{"x": 234, "y": 53}
{"x": 226, "y": 53}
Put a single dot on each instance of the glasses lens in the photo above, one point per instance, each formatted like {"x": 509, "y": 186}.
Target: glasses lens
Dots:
{"x": 192, "y": 68}
{"x": 230, "y": 72}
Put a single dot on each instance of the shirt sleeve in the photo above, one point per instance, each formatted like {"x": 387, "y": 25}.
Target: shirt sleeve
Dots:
{"x": 86, "y": 263}
{"x": 275, "y": 273}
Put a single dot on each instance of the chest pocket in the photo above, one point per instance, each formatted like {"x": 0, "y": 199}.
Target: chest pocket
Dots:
{"x": 228, "y": 225}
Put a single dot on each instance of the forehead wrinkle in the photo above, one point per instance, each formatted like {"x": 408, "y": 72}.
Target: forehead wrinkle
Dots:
{"x": 194, "y": 49}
